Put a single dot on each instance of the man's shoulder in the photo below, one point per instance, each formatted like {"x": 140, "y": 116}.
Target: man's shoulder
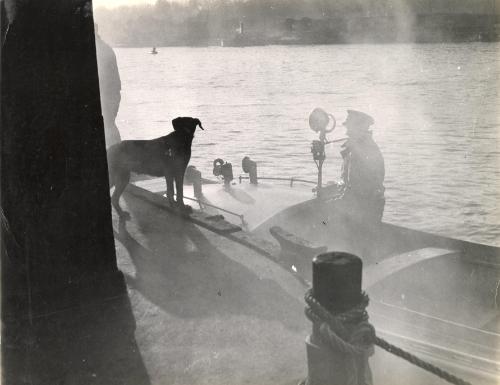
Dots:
{"x": 369, "y": 144}
{"x": 104, "y": 49}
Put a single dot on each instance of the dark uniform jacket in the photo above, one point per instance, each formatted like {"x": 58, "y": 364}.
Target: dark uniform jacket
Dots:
{"x": 363, "y": 175}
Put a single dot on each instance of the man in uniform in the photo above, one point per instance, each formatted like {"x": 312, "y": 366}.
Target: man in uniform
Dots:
{"x": 359, "y": 209}
{"x": 109, "y": 87}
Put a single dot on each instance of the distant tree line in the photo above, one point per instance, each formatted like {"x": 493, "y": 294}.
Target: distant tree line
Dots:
{"x": 250, "y": 22}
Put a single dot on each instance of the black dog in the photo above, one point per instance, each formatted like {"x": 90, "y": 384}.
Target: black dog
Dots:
{"x": 166, "y": 156}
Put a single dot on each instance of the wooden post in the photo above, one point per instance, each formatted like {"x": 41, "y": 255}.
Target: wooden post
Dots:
{"x": 337, "y": 287}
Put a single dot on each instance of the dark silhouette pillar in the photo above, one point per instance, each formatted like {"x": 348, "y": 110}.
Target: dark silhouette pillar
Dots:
{"x": 54, "y": 183}
{"x": 58, "y": 250}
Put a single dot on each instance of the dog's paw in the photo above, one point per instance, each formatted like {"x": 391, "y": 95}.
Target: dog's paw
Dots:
{"x": 185, "y": 209}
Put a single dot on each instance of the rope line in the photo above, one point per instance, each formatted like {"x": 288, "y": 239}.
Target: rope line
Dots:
{"x": 419, "y": 362}
{"x": 351, "y": 334}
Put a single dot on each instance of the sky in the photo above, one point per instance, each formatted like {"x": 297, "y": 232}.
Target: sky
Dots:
{"x": 117, "y": 3}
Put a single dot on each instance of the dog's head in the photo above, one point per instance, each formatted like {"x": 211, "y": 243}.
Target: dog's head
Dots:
{"x": 186, "y": 124}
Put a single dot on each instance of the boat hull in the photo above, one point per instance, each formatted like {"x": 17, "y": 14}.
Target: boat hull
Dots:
{"x": 436, "y": 295}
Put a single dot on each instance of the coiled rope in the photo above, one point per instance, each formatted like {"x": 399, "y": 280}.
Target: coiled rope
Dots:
{"x": 351, "y": 334}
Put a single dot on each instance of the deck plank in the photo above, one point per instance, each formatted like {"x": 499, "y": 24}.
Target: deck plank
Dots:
{"x": 214, "y": 223}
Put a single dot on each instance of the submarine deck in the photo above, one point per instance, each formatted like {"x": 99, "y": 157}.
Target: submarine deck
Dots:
{"x": 211, "y": 311}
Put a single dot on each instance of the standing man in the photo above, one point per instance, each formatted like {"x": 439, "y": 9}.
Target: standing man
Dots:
{"x": 363, "y": 168}
{"x": 109, "y": 87}
{"x": 359, "y": 209}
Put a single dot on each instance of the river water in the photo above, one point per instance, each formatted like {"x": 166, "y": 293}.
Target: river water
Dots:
{"x": 436, "y": 110}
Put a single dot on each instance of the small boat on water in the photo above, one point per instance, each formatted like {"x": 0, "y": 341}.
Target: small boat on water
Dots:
{"x": 153, "y": 51}
{"x": 435, "y": 295}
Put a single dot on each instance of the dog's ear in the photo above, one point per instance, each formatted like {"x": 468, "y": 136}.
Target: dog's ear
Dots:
{"x": 197, "y": 121}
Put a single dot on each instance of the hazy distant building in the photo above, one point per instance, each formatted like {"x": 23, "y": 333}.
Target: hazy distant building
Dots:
{"x": 304, "y": 22}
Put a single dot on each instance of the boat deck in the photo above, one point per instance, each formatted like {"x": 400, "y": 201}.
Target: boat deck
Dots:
{"x": 208, "y": 310}
{"x": 246, "y": 205}
{"x": 212, "y": 311}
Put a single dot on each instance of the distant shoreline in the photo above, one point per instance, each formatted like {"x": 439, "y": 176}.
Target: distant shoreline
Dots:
{"x": 238, "y": 30}
{"x": 303, "y": 44}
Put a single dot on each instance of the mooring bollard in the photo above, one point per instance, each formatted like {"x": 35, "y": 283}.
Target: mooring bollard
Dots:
{"x": 194, "y": 176}
{"x": 197, "y": 184}
{"x": 341, "y": 339}
{"x": 250, "y": 167}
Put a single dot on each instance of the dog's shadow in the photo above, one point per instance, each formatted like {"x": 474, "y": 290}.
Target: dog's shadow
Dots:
{"x": 240, "y": 196}
{"x": 181, "y": 271}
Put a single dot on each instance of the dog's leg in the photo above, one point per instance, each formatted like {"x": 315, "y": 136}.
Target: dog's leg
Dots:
{"x": 179, "y": 187}
{"x": 120, "y": 181}
{"x": 169, "y": 179}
